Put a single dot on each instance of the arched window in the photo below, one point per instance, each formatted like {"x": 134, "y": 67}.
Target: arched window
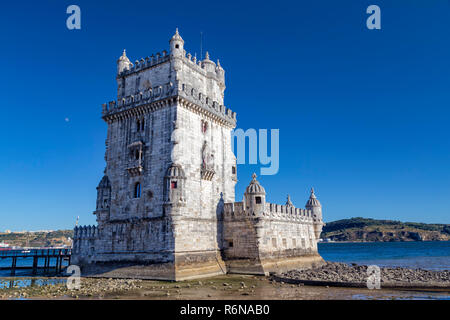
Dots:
{"x": 137, "y": 190}
{"x": 138, "y": 125}
{"x": 142, "y": 125}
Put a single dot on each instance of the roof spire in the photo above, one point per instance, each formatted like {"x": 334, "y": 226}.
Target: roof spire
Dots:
{"x": 177, "y": 36}
{"x": 313, "y": 201}
{"x": 254, "y": 187}
{"x": 288, "y": 201}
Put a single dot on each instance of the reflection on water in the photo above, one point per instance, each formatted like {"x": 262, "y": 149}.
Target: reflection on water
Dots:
{"x": 406, "y": 296}
{"x": 6, "y": 283}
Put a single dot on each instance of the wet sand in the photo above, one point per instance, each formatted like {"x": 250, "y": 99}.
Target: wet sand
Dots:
{"x": 231, "y": 287}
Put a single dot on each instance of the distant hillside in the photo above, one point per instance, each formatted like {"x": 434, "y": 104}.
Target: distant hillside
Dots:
{"x": 363, "y": 229}
{"x": 37, "y": 239}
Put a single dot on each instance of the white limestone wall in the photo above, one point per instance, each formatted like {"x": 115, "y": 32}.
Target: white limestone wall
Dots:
{"x": 199, "y": 231}
{"x": 156, "y": 158}
{"x": 157, "y": 75}
{"x": 278, "y": 236}
{"x": 198, "y": 78}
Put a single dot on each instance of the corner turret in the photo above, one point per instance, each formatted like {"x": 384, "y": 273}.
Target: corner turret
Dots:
{"x": 176, "y": 45}
{"x": 103, "y": 200}
{"x": 255, "y": 197}
{"x": 314, "y": 205}
{"x": 289, "y": 202}
{"x": 208, "y": 65}
{"x": 123, "y": 63}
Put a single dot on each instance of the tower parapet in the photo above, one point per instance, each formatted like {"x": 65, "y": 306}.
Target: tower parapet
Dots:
{"x": 140, "y": 88}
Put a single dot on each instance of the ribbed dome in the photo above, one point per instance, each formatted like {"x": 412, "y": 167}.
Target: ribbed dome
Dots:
{"x": 104, "y": 183}
{"x": 289, "y": 202}
{"x": 124, "y": 57}
{"x": 175, "y": 171}
{"x": 312, "y": 201}
{"x": 254, "y": 187}
{"x": 177, "y": 36}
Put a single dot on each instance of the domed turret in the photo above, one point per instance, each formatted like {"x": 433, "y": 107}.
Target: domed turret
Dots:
{"x": 176, "y": 44}
{"x": 255, "y": 197}
{"x": 220, "y": 72}
{"x": 123, "y": 63}
{"x": 174, "y": 191}
{"x": 254, "y": 187}
{"x": 103, "y": 200}
{"x": 312, "y": 201}
{"x": 314, "y": 205}
{"x": 175, "y": 171}
{"x": 289, "y": 202}
{"x": 207, "y": 64}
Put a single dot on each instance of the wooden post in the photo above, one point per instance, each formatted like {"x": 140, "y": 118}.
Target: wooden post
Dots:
{"x": 13, "y": 266}
{"x": 60, "y": 262}
{"x": 35, "y": 264}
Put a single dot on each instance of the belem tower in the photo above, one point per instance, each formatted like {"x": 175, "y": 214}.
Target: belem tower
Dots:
{"x": 166, "y": 205}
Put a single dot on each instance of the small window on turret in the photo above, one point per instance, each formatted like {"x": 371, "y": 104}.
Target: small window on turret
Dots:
{"x": 177, "y": 46}
{"x": 258, "y": 199}
{"x": 173, "y": 185}
{"x": 233, "y": 170}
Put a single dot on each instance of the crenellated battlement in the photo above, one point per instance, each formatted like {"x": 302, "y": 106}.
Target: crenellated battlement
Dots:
{"x": 236, "y": 210}
{"x": 143, "y": 97}
{"x": 169, "y": 90}
{"x": 207, "y": 103}
{"x": 286, "y": 212}
{"x": 200, "y": 66}
{"x": 85, "y": 232}
{"x": 145, "y": 63}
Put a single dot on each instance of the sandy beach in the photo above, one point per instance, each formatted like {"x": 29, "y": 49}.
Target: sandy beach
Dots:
{"x": 235, "y": 287}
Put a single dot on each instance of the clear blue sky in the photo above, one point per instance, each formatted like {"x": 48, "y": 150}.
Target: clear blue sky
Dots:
{"x": 363, "y": 114}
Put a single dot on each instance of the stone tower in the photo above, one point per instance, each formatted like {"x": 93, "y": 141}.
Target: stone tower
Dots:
{"x": 169, "y": 166}
{"x": 166, "y": 204}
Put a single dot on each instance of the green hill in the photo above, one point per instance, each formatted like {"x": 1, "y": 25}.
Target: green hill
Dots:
{"x": 364, "y": 229}
{"x": 37, "y": 239}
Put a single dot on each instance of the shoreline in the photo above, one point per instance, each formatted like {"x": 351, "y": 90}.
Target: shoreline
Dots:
{"x": 307, "y": 284}
{"x": 228, "y": 287}
{"x": 399, "y": 241}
